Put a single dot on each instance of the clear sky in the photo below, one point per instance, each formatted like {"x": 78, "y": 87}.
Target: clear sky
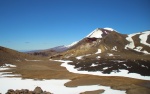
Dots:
{"x": 42, "y": 24}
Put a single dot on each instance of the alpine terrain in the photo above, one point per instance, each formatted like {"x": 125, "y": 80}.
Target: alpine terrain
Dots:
{"x": 103, "y": 62}
{"x": 109, "y": 51}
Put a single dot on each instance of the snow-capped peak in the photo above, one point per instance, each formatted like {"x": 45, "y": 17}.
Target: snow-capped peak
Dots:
{"x": 100, "y": 32}
{"x": 96, "y": 33}
{"x": 110, "y": 29}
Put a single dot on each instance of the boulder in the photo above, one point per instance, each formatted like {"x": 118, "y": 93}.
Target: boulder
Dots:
{"x": 10, "y": 91}
{"x": 38, "y": 90}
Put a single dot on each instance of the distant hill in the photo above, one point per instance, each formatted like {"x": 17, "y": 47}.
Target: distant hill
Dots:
{"x": 9, "y": 55}
{"x": 48, "y": 52}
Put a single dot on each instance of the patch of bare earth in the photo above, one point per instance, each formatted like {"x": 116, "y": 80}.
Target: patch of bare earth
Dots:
{"x": 43, "y": 70}
{"x": 93, "y": 92}
{"x": 52, "y": 70}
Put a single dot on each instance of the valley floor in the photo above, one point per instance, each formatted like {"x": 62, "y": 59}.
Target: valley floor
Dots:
{"x": 47, "y": 70}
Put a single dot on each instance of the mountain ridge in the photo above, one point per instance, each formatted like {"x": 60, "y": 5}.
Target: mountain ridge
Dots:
{"x": 8, "y": 55}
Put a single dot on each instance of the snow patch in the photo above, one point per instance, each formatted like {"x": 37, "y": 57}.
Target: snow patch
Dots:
{"x": 80, "y": 57}
{"x": 105, "y": 47}
{"x": 123, "y": 73}
{"x": 98, "y": 57}
{"x": 110, "y": 29}
{"x": 105, "y": 68}
{"x": 93, "y": 65}
{"x": 119, "y": 61}
{"x": 131, "y": 44}
{"x": 8, "y": 74}
{"x": 7, "y": 66}
{"x": 99, "y": 51}
{"x": 144, "y": 37}
{"x": 97, "y": 33}
{"x": 139, "y": 48}
{"x": 110, "y": 54}
{"x": 114, "y": 48}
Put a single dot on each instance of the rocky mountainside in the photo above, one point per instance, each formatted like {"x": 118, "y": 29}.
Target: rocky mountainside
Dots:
{"x": 108, "y": 51}
{"x": 104, "y": 41}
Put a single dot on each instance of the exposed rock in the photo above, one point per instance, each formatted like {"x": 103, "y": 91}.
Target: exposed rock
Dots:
{"x": 10, "y": 91}
{"x": 37, "y": 90}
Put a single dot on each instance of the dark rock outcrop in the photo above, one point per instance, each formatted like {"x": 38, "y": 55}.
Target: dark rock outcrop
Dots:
{"x": 37, "y": 90}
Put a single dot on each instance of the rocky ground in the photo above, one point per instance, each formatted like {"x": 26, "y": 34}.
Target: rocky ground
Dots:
{"x": 141, "y": 67}
{"x": 37, "y": 90}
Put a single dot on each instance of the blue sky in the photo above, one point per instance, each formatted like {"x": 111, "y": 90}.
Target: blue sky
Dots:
{"x": 42, "y": 24}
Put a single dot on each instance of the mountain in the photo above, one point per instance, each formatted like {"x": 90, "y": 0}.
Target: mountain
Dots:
{"x": 48, "y": 52}
{"x": 9, "y": 56}
{"x": 109, "y": 40}
{"x": 100, "y": 32}
{"x": 52, "y": 51}
{"x": 107, "y": 50}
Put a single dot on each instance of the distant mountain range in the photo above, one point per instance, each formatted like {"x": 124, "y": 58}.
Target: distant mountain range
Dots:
{"x": 51, "y": 51}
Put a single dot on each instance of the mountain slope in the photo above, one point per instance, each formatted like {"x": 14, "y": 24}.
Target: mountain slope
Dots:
{"x": 139, "y": 42}
{"x": 112, "y": 42}
{"x": 111, "y": 52}
{"x": 9, "y": 56}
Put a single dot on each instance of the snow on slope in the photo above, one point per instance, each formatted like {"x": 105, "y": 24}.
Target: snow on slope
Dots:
{"x": 131, "y": 44}
{"x": 143, "y": 38}
{"x": 110, "y": 29}
{"x": 139, "y": 48}
{"x": 7, "y": 66}
{"x": 97, "y": 33}
{"x": 80, "y": 57}
{"x": 99, "y": 51}
{"x": 114, "y": 48}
